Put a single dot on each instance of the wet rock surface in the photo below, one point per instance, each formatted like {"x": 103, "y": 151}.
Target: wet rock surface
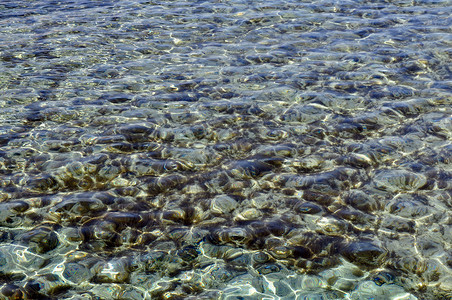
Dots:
{"x": 225, "y": 150}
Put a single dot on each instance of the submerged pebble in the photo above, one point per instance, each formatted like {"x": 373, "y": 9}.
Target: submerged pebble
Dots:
{"x": 398, "y": 180}
{"x": 223, "y": 204}
{"x": 364, "y": 253}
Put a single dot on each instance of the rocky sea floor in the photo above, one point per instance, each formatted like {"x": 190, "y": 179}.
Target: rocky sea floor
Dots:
{"x": 226, "y": 149}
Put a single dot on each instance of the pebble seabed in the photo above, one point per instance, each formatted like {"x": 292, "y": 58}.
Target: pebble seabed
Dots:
{"x": 225, "y": 150}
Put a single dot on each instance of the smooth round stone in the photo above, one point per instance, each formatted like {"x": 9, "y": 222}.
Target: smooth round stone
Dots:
{"x": 223, "y": 204}
{"x": 262, "y": 201}
{"x": 356, "y": 160}
{"x": 222, "y": 274}
{"x": 250, "y": 169}
{"x": 43, "y": 183}
{"x": 217, "y": 275}
{"x": 384, "y": 277}
{"x": 46, "y": 284}
{"x": 304, "y": 114}
{"x": 262, "y": 257}
{"x": 216, "y": 251}
{"x": 282, "y": 289}
{"x": 309, "y": 282}
{"x": 364, "y": 253}
{"x": 309, "y": 163}
{"x": 404, "y": 144}
{"x": 362, "y": 201}
{"x": 239, "y": 260}
{"x": 345, "y": 285}
{"x": 76, "y": 273}
{"x": 234, "y": 235}
{"x": 153, "y": 260}
{"x": 277, "y": 150}
{"x": 308, "y": 208}
{"x": 280, "y": 252}
{"x": 75, "y": 169}
{"x": 193, "y": 189}
{"x": 108, "y": 173}
{"x": 399, "y": 224}
{"x": 194, "y": 236}
{"x": 143, "y": 279}
{"x": 114, "y": 271}
{"x": 75, "y": 207}
{"x": 399, "y": 180}
{"x": 249, "y": 214}
{"x": 268, "y": 269}
{"x": 408, "y": 207}
{"x": 331, "y": 226}
{"x": 188, "y": 253}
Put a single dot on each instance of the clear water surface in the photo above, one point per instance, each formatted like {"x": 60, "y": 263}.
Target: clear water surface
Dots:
{"x": 225, "y": 149}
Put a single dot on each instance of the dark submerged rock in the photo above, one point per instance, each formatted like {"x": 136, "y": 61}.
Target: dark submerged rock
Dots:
{"x": 364, "y": 253}
{"x": 41, "y": 239}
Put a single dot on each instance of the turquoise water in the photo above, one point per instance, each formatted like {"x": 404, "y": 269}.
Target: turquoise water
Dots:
{"x": 225, "y": 149}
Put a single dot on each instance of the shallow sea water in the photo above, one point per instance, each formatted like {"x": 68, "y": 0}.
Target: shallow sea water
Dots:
{"x": 225, "y": 149}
